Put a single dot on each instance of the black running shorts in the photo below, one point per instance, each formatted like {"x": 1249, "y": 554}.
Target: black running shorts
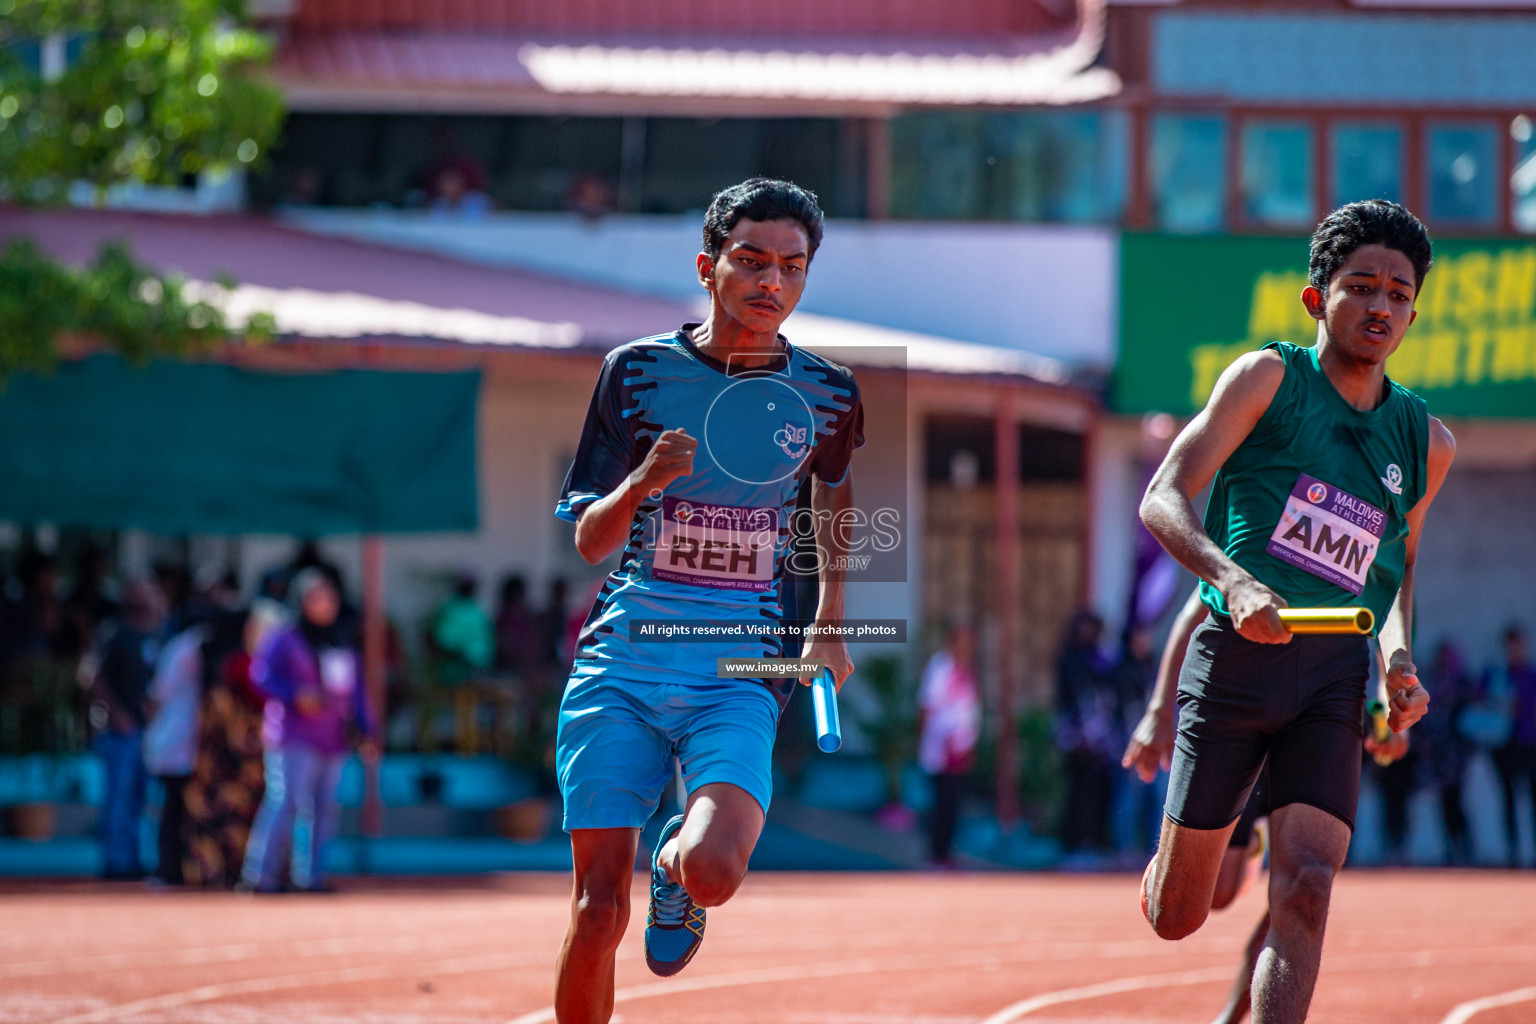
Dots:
{"x": 1257, "y": 807}
{"x": 1298, "y": 704}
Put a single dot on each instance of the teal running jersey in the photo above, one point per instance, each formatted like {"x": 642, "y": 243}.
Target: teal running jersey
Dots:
{"x": 1315, "y": 501}
{"x": 711, "y": 548}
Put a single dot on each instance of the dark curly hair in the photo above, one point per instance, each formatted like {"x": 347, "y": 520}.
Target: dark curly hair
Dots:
{"x": 761, "y": 199}
{"x": 1369, "y": 222}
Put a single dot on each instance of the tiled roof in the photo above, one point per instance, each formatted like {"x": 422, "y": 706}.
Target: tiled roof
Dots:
{"x": 911, "y": 18}
{"x": 321, "y": 287}
{"x": 511, "y": 66}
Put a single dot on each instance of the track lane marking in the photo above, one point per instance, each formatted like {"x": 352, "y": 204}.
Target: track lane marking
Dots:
{"x": 1025, "y": 1007}
{"x": 1466, "y": 1011}
{"x": 846, "y": 968}
{"x": 1346, "y": 962}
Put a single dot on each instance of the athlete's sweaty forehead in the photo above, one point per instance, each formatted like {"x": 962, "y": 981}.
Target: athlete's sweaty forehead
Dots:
{"x": 782, "y": 240}
{"x": 1372, "y": 262}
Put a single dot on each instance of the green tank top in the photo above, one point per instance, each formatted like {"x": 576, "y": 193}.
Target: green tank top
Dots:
{"x": 1314, "y": 502}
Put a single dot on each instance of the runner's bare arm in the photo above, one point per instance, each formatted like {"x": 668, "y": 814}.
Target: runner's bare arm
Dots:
{"x": 1239, "y": 401}
{"x": 1407, "y": 700}
{"x": 604, "y": 525}
{"x": 1151, "y": 745}
{"x": 831, "y": 506}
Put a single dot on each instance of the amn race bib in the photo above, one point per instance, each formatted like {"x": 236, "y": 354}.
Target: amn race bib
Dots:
{"x": 1329, "y": 533}
{"x": 715, "y": 545}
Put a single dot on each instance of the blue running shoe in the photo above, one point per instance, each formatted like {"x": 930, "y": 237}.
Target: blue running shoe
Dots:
{"x": 674, "y": 925}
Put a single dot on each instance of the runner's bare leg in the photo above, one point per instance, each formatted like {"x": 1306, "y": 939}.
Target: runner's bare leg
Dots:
{"x": 604, "y": 862}
{"x": 1309, "y": 849}
{"x": 709, "y": 854}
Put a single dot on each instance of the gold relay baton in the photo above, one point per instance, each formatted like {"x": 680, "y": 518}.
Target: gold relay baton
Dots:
{"x": 1359, "y": 621}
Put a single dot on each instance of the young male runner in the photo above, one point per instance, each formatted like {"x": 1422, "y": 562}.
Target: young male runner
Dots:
{"x": 1151, "y": 748}
{"x": 694, "y": 451}
{"x": 1323, "y": 472}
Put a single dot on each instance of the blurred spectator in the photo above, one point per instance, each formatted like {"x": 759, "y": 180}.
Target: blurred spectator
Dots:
{"x": 1443, "y": 751}
{"x": 34, "y": 622}
{"x": 517, "y": 644}
{"x": 591, "y": 196}
{"x": 454, "y": 181}
{"x": 556, "y": 647}
{"x": 317, "y": 704}
{"x": 1514, "y": 682}
{"x": 1397, "y": 781}
{"x": 1138, "y": 805}
{"x": 1087, "y": 725}
{"x": 175, "y": 584}
{"x": 302, "y": 186}
{"x": 176, "y": 696}
{"x": 170, "y": 741}
{"x": 32, "y": 632}
{"x": 119, "y": 678}
{"x": 274, "y": 585}
{"x": 226, "y": 785}
{"x": 949, "y": 707}
{"x": 88, "y": 604}
{"x": 308, "y": 556}
{"x": 349, "y": 621}
{"x": 462, "y": 633}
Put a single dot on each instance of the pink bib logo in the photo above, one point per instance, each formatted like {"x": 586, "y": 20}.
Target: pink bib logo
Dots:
{"x": 1317, "y": 493}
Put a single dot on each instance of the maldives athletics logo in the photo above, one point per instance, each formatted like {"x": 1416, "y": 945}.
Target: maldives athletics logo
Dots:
{"x": 1317, "y": 493}
{"x": 792, "y": 439}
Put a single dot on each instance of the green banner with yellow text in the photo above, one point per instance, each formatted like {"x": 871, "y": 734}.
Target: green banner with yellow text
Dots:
{"x": 1190, "y": 305}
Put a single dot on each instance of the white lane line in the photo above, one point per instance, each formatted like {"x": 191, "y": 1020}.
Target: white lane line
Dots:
{"x": 1346, "y": 962}
{"x": 1466, "y": 1011}
{"x": 339, "y": 976}
{"x": 1025, "y": 1007}
{"x": 840, "y": 969}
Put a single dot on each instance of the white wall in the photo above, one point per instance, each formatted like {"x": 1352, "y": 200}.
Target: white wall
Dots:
{"x": 1043, "y": 289}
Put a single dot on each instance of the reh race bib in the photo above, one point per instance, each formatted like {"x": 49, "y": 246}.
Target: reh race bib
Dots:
{"x": 719, "y": 546}
{"x": 1329, "y": 533}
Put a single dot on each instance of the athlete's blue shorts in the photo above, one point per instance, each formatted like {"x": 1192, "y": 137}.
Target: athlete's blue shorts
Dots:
{"x": 618, "y": 735}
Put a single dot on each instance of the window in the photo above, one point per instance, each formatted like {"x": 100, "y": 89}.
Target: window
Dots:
{"x": 1367, "y": 162}
{"x": 1522, "y": 181}
{"x": 1278, "y": 185}
{"x": 1045, "y": 166}
{"x": 1056, "y": 167}
{"x": 688, "y": 160}
{"x": 937, "y": 161}
{"x": 1189, "y": 171}
{"x": 409, "y": 160}
{"x": 472, "y": 163}
{"x": 1462, "y": 172}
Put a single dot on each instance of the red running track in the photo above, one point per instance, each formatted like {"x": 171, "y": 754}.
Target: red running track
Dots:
{"x": 1405, "y": 947}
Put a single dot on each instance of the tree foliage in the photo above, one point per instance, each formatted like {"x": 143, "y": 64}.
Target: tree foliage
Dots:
{"x": 147, "y": 91}
{"x": 139, "y": 313}
{"x": 150, "y": 91}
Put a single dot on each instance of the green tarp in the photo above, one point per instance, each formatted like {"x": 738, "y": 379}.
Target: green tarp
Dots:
{"x": 1190, "y": 305}
{"x": 178, "y": 448}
